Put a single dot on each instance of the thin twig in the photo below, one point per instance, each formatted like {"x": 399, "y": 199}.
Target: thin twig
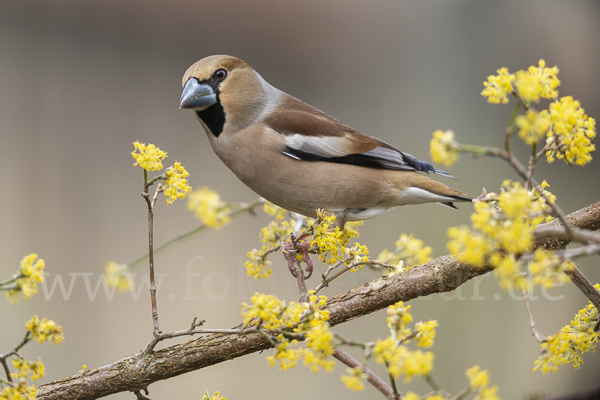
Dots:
{"x": 534, "y": 331}
{"x": 372, "y": 378}
{"x": 585, "y": 286}
{"x": 5, "y": 366}
{"x": 436, "y": 386}
{"x": 140, "y": 396}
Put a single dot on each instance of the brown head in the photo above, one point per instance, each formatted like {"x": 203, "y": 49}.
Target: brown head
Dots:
{"x": 225, "y": 92}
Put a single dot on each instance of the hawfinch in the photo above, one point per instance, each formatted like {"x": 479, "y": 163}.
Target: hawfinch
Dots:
{"x": 295, "y": 155}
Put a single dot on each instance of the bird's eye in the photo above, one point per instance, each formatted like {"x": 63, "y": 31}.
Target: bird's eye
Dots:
{"x": 220, "y": 74}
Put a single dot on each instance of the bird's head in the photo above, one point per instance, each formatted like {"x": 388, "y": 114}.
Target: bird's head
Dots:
{"x": 223, "y": 90}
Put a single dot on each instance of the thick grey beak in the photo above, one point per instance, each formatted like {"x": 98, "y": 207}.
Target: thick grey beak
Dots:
{"x": 197, "y": 96}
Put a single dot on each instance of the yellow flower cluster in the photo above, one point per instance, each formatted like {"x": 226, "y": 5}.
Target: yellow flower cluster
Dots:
{"x": 568, "y": 129}
{"x": 479, "y": 383}
{"x": 498, "y": 87}
{"x": 392, "y": 352}
{"x": 208, "y": 206}
{"x": 215, "y": 396}
{"x": 319, "y": 343}
{"x": 330, "y": 239}
{"x": 267, "y": 311}
{"x": 502, "y": 237}
{"x": 45, "y": 330}
{"x": 537, "y": 82}
{"x": 425, "y": 333}
{"x": 271, "y": 237}
{"x": 287, "y": 357}
{"x": 398, "y": 317}
{"x": 567, "y": 345}
{"x": 119, "y": 276}
{"x": 327, "y": 237}
{"x": 274, "y": 233}
{"x": 356, "y": 254}
{"x": 572, "y": 132}
{"x": 21, "y": 391}
{"x": 533, "y": 125}
{"x": 409, "y": 249}
{"x": 25, "y": 281}
{"x": 24, "y": 367}
{"x": 531, "y": 85}
{"x": 443, "y": 147}
{"x": 175, "y": 185}
{"x": 148, "y": 156}
{"x": 353, "y": 379}
{"x": 401, "y": 361}
{"x": 258, "y": 264}
{"x": 274, "y": 210}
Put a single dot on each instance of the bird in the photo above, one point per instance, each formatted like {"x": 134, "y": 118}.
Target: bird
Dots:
{"x": 298, "y": 157}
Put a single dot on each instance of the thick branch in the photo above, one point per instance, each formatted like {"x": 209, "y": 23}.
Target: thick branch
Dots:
{"x": 135, "y": 372}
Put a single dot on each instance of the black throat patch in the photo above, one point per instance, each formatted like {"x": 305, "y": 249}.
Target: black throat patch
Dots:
{"x": 213, "y": 117}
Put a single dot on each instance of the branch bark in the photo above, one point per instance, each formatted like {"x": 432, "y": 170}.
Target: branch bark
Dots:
{"x": 136, "y": 372}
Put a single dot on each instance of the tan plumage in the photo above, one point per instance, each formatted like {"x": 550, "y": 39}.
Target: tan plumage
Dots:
{"x": 298, "y": 157}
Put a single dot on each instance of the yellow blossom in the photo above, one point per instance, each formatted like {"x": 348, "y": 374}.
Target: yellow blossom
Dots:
{"x": 572, "y": 132}
{"x": 20, "y": 391}
{"x": 417, "y": 363}
{"x": 327, "y": 237}
{"x": 208, "y": 206}
{"x": 507, "y": 271}
{"x": 258, "y": 265}
{"x": 356, "y": 254}
{"x": 398, "y": 317}
{"x": 24, "y": 367}
{"x": 401, "y": 361}
{"x": 567, "y": 345}
{"x": 468, "y": 246}
{"x": 148, "y": 156}
{"x": 275, "y": 210}
{"x": 353, "y": 379}
{"x": 547, "y": 269}
{"x": 119, "y": 276}
{"x": 288, "y": 358}
{"x": 425, "y": 333}
{"x": 270, "y": 312}
{"x": 479, "y": 383}
{"x": 537, "y": 82}
{"x": 319, "y": 343}
{"x": 274, "y": 233}
{"x": 443, "y": 147}
{"x": 215, "y": 396}
{"x": 264, "y": 310}
{"x": 45, "y": 330}
{"x": 498, "y": 87}
{"x": 533, "y": 126}
{"x": 478, "y": 378}
{"x": 25, "y": 283}
{"x": 515, "y": 237}
{"x": 175, "y": 186}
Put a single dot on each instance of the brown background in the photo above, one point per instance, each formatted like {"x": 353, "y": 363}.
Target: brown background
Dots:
{"x": 81, "y": 80}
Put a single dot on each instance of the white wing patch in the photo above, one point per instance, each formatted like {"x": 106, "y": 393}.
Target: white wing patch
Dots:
{"x": 334, "y": 146}
{"x": 415, "y": 195}
{"x": 325, "y": 146}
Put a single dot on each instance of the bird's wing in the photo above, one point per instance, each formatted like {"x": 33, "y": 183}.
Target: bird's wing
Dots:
{"x": 311, "y": 135}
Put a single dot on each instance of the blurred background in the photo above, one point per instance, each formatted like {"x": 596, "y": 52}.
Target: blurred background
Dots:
{"x": 81, "y": 80}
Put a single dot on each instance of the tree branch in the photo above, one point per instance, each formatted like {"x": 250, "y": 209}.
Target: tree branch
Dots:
{"x": 137, "y": 371}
